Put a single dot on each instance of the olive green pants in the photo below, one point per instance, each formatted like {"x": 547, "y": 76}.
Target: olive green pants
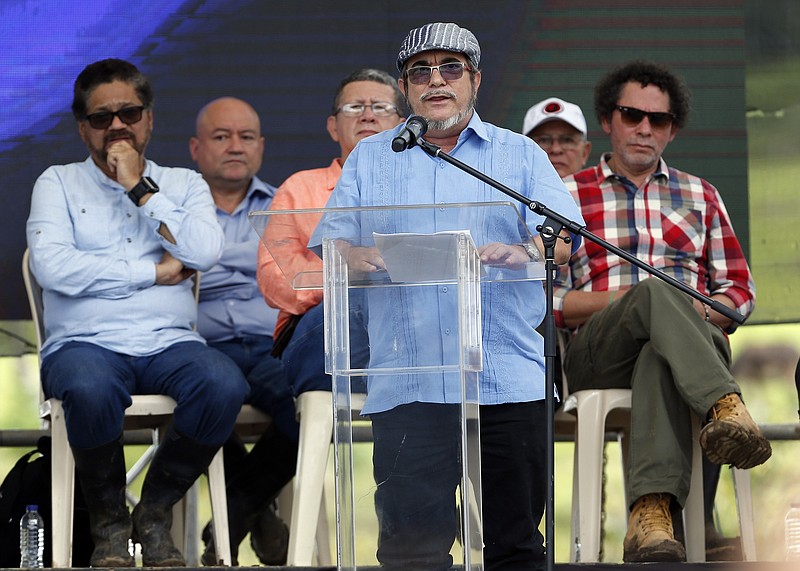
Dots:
{"x": 654, "y": 342}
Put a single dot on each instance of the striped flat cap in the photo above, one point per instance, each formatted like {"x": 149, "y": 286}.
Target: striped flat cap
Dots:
{"x": 440, "y": 36}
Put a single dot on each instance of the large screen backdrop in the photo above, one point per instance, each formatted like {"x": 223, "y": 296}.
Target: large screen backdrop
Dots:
{"x": 287, "y": 58}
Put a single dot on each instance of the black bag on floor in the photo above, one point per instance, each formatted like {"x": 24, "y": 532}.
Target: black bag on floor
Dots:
{"x": 28, "y": 482}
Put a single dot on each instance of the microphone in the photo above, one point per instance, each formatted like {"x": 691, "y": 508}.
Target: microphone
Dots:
{"x": 415, "y": 127}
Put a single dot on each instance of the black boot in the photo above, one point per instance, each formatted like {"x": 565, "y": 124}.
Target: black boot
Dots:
{"x": 101, "y": 474}
{"x": 268, "y": 467}
{"x": 178, "y": 462}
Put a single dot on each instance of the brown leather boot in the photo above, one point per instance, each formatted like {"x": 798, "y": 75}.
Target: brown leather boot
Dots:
{"x": 731, "y": 436}
{"x": 650, "y": 537}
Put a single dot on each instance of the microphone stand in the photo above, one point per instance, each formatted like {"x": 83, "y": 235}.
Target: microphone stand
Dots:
{"x": 550, "y": 230}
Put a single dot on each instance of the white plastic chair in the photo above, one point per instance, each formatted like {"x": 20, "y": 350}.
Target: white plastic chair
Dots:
{"x": 309, "y": 530}
{"x": 598, "y": 410}
{"x": 308, "y": 527}
{"x": 146, "y": 411}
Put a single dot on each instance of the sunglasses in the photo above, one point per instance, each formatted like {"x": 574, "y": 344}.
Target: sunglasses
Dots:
{"x": 103, "y": 119}
{"x": 632, "y": 116}
{"x": 420, "y": 74}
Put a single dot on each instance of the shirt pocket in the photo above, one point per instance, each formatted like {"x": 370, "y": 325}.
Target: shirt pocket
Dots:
{"x": 682, "y": 230}
{"x": 95, "y": 227}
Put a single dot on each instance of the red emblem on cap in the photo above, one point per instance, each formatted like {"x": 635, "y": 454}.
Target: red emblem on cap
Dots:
{"x": 553, "y": 107}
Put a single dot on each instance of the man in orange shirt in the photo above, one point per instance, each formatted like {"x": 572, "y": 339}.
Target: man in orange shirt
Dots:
{"x": 367, "y": 102}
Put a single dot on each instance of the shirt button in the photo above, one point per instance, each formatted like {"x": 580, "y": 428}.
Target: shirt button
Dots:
{"x": 442, "y": 164}
{"x": 447, "y": 332}
{"x": 129, "y": 215}
{"x": 444, "y": 289}
{"x": 128, "y": 240}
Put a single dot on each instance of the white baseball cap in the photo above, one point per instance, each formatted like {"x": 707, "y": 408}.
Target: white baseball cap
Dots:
{"x": 554, "y": 109}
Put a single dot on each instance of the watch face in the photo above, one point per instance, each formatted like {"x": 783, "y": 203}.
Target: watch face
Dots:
{"x": 149, "y": 184}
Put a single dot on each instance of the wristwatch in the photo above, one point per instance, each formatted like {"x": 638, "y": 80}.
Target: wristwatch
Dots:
{"x": 532, "y": 251}
{"x": 145, "y": 186}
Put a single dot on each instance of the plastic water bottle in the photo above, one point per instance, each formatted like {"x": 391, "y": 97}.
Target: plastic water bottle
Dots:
{"x": 793, "y": 532}
{"x": 31, "y": 538}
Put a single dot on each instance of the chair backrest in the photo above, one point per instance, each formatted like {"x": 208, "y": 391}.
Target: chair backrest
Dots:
{"x": 34, "y": 291}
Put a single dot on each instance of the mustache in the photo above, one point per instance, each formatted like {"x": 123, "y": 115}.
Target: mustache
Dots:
{"x": 117, "y": 135}
{"x": 438, "y": 93}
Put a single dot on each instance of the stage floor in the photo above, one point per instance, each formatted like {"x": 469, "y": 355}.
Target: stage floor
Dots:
{"x": 720, "y": 566}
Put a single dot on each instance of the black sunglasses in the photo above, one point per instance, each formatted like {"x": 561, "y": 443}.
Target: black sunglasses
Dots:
{"x": 128, "y": 115}
{"x": 632, "y": 116}
{"x": 421, "y": 74}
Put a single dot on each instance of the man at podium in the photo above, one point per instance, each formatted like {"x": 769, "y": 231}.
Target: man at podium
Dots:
{"x": 415, "y": 468}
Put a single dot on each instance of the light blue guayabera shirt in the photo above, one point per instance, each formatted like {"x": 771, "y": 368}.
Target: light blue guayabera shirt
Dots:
{"x": 231, "y": 304}
{"x": 94, "y": 254}
{"x": 419, "y": 324}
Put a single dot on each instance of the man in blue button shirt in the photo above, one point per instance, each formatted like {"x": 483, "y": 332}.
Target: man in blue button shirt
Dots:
{"x": 113, "y": 242}
{"x": 416, "y": 469}
{"x": 233, "y": 317}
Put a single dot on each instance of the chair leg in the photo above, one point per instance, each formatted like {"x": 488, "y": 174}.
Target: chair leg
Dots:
{"x": 589, "y": 462}
{"x": 186, "y": 527}
{"x": 323, "y": 538}
{"x": 324, "y": 558}
{"x": 744, "y": 505}
{"x": 574, "y": 527}
{"x": 316, "y": 427}
{"x": 219, "y": 508}
{"x": 694, "y": 511}
{"x": 62, "y": 488}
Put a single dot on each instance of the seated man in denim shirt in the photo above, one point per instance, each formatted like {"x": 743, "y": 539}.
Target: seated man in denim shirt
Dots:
{"x": 233, "y": 317}
{"x": 113, "y": 242}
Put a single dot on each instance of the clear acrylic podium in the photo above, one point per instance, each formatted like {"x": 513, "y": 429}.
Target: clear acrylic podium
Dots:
{"x": 403, "y": 344}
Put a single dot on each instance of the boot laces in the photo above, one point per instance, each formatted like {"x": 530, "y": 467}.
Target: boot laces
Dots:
{"x": 726, "y": 408}
{"x": 654, "y": 515}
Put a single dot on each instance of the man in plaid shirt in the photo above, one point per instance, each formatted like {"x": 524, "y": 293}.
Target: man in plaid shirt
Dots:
{"x": 639, "y": 333}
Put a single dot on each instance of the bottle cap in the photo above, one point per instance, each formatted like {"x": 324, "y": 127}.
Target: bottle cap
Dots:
{"x": 32, "y": 507}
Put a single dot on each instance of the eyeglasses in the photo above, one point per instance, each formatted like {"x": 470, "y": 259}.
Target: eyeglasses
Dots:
{"x": 632, "y": 117}
{"x": 568, "y": 142}
{"x": 420, "y": 74}
{"x": 357, "y": 109}
{"x": 128, "y": 115}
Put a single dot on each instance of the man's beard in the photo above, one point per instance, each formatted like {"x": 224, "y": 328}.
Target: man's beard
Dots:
{"x": 102, "y": 153}
{"x": 450, "y": 122}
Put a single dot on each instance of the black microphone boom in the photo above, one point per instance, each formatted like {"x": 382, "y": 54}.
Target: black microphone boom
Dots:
{"x": 414, "y": 128}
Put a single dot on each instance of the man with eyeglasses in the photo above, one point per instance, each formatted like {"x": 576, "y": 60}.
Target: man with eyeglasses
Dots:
{"x": 416, "y": 462}
{"x": 113, "y": 243}
{"x": 639, "y": 333}
{"x": 559, "y": 128}
{"x": 366, "y": 102}
{"x": 228, "y": 148}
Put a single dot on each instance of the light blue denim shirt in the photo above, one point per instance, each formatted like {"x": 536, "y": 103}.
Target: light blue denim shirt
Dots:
{"x": 94, "y": 253}
{"x": 231, "y": 304}
{"x": 513, "y": 362}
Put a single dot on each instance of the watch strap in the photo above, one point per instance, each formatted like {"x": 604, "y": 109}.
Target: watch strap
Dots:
{"x": 145, "y": 186}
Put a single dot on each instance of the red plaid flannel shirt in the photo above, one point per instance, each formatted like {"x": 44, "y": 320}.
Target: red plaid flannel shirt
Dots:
{"x": 676, "y": 222}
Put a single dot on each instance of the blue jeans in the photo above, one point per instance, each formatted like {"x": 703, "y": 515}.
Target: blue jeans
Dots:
{"x": 96, "y": 384}
{"x": 304, "y": 356}
{"x": 269, "y": 388}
